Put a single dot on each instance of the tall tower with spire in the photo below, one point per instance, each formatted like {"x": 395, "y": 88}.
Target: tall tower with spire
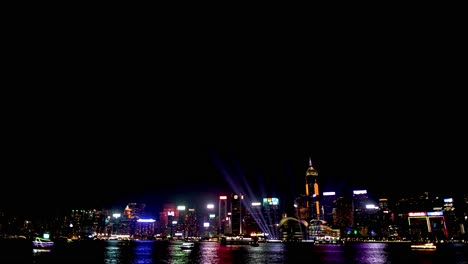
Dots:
{"x": 311, "y": 184}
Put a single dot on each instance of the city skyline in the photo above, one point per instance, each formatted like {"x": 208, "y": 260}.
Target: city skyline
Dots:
{"x": 188, "y": 194}
{"x": 374, "y": 107}
{"x": 95, "y": 156}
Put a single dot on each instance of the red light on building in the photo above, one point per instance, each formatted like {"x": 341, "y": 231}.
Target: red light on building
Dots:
{"x": 417, "y": 214}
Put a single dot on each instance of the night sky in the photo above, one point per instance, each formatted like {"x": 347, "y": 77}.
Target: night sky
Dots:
{"x": 109, "y": 155}
{"x": 117, "y": 121}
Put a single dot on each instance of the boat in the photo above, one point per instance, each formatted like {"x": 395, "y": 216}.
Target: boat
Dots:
{"x": 425, "y": 246}
{"x": 238, "y": 240}
{"x": 187, "y": 245}
{"x": 40, "y": 242}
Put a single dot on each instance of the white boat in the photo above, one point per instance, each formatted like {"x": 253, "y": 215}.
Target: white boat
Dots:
{"x": 40, "y": 242}
{"x": 237, "y": 240}
{"x": 424, "y": 246}
{"x": 187, "y": 245}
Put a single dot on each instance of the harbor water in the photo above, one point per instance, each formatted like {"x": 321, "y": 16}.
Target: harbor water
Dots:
{"x": 146, "y": 252}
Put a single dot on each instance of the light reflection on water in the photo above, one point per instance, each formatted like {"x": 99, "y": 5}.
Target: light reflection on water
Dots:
{"x": 373, "y": 253}
{"x": 144, "y": 252}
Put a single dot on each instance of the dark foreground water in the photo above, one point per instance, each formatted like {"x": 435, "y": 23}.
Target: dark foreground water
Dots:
{"x": 140, "y": 252}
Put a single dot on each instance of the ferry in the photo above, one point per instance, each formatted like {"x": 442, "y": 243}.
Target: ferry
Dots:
{"x": 40, "y": 242}
{"x": 187, "y": 245}
{"x": 238, "y": 240}
{"x": 425, "y": 246}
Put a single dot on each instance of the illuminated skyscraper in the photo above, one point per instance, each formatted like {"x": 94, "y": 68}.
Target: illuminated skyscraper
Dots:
{"x": 328, "y": 199}
{"x": 222, "y": 214}
{"x": 237, "y": 211}
{"x": 360, "y": 215}
{"x": 272, "y": 216}
{"x": 311, "y": 183}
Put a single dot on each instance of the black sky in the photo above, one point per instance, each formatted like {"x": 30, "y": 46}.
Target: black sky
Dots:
{"x": 110, "y": 154}
{"x": 110, "y": 121}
